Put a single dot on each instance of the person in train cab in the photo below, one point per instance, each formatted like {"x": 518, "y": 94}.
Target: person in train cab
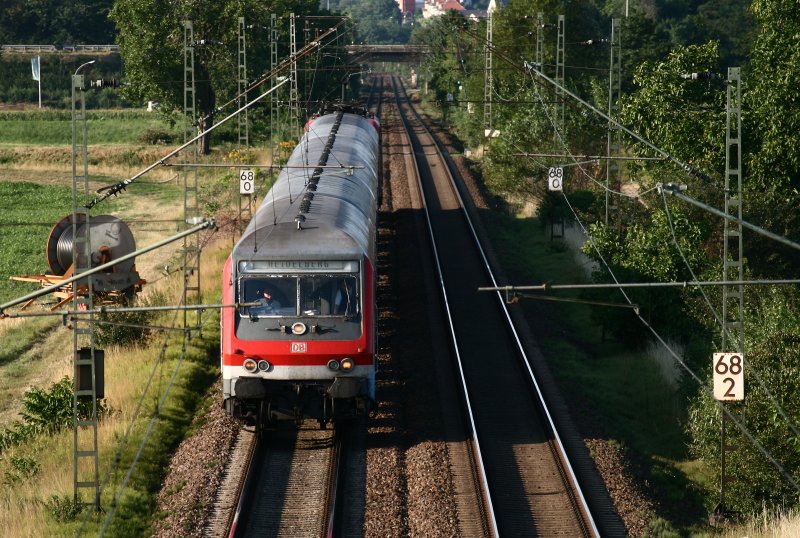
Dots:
{"x": 344, "y": 302}
{"x": 267, "y": 303}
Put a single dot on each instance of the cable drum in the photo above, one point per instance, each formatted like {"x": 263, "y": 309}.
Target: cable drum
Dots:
{"x": 109, "y": 239}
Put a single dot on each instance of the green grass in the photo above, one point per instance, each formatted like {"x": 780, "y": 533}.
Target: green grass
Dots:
{"x": 54, "y": 127}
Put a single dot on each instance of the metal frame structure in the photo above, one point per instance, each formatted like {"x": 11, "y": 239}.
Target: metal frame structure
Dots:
{"x": 274, "y": 111}
{"x": 613, "y": 168}
{"x": 732, "y": 266}
{"x": 539, "y": 41}
{"x": 244, "y": 138}
{"x": 558, "y": 107}
{"x": 487, "y": 86}
{"x": 294, "y": 95}
{"x": 245, "y": 200}
{"x": 85, "y": 448}
{"x": 191, "y": 212}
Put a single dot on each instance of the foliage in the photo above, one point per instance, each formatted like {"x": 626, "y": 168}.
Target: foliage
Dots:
{"x": 23, "y": 467}
{"x": 18, "y": 86}
{"x": 46, "y": 22}
{"x": 123, "y": 328}
{"x": 48, "y": 411}
{"x": 773, "y": 352}
{"x": 646, "y": 252}
{"x": 45, "y": 412}
{"x": 64, "y": 509}
{"x": 773, "y": 175}
{"x": 378, "y": 21}
{"x": 151, "y": 39}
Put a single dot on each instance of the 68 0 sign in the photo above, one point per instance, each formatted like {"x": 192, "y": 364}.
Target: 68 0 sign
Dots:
{"x": 246, "y": 181}
{"x": 555, "y": 178}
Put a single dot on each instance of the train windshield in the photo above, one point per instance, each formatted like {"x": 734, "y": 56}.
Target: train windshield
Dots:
{"x": 276, "y": 296}
{"x": 319, "y": 295}
{"x": 325, "y": 295}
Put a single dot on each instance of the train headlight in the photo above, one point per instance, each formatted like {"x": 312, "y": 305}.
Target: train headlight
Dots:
{"x": 333, "y": 365}
{"x": 250, "y": 365}
{"x": 264, "y": 366}
{"x": 347, "y": 364}
{"x": 299, "y": 328}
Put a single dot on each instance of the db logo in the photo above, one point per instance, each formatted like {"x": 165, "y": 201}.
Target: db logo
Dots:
{"x": 299, "y": 347}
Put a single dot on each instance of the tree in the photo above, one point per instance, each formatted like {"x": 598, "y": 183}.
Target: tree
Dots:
{"x": 773, "y": 177}
{"x": 378, "y": 21}
{"x": 55, "y": 22}
{"x": 151, "y": 42}
{"x": 773, "y": 351}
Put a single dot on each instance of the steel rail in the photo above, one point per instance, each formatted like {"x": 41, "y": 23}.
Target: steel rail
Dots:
{"x": 244, "y": 488}
{"x": 476, "y": 444}
{"x": 332, "y": 524}
{"x": 526, "y": 362}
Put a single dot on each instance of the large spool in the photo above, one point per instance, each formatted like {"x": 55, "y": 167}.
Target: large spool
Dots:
{"x": 109, "y": 239}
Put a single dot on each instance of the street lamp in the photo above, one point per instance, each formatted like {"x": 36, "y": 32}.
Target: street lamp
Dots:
{"x": 84, "y": 65}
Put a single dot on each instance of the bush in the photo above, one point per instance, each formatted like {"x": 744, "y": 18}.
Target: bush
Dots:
{"x": 122, "y": 328}
{"x": 50, "y": 411}
{"x": 64, "y": 509}
{"x": 161, "y": 137}
{"x": 23, "y": 467}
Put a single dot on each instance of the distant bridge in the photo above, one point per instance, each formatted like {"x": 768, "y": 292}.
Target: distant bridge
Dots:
{"x": 385, "y": 53}
{"x": 27, "y": 49}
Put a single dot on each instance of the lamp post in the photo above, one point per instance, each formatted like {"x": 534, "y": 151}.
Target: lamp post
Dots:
{"x": 84, "y": 65}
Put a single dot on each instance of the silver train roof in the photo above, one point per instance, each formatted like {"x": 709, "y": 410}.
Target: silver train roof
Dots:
{"x": 336, "y": 212}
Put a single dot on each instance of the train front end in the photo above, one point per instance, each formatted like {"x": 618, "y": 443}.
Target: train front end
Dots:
{"x": 307, "y": 354}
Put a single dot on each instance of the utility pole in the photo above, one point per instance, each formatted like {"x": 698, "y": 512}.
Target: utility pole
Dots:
{"x": 274, "y": 110}
{"x": 540, "y": 41}
{"x": 242, "y": 101}
{"x": 558, "y": 109}
{"x": 86, "y": 469}
{"x": 613, "y": 169}
{"x": 732, "y": 267}
{"x": 487, "y": 85}
{"x": 245, "y": 200}
{"x": 294, "y": 97}
{"x": 191, "y": 211}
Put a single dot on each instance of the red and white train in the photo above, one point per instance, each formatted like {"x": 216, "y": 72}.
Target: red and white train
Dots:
{"x": 308, "y": 257}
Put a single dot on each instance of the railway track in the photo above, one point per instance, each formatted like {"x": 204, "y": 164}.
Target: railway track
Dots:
{"x": 523, "y": 473}
{"x": 296, "y": 484}
{"x": 512, "y": 480}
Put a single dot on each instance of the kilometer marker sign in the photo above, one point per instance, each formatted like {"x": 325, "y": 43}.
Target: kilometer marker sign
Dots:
{"x": 729, "y": 377}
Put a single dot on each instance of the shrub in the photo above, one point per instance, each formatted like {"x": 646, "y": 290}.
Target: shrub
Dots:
{"x": 64, "y": 509}
{"x": 48, "y": 411}
{"x": 122, "y": 328}
{"x": 160, "y": 137}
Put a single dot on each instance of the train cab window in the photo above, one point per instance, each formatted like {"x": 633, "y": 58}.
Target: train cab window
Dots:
{"x": 276, "y": 296}
{"x": 329, "y": 295}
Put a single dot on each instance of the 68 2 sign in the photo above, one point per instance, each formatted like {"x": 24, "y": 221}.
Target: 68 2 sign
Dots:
{"x": 729, "y": 377}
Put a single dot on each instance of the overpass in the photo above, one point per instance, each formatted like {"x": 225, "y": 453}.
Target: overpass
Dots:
{"x": 364, "y": 53}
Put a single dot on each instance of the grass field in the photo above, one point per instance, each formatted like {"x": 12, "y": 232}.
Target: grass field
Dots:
{"x": 49, "y": 127}
{"x": 35, "y": 193}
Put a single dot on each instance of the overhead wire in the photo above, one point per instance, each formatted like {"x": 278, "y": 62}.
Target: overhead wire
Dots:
{"x": 718, "y": 320}
{"x": 742, "y": 428}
